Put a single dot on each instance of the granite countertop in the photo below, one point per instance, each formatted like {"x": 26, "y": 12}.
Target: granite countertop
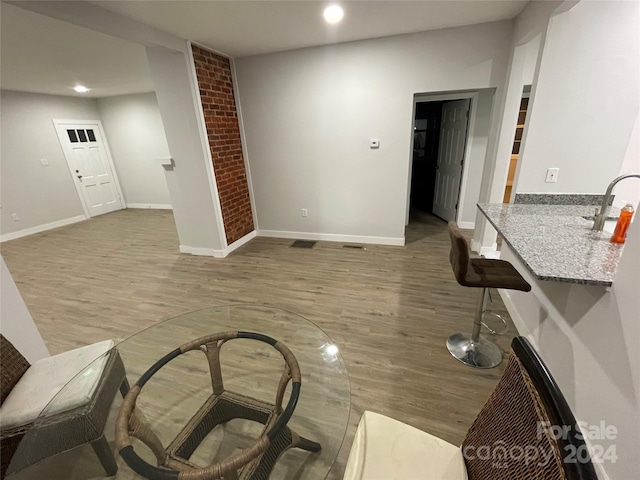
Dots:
{"x": 556, "y": 243}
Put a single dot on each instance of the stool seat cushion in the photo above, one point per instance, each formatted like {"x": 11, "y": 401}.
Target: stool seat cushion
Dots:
{"x": 46, "y": 377}
{"x": 492, "y": 273}
{"x": 384, "y": 448}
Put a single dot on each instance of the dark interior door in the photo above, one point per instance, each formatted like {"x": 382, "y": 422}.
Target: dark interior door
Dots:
{"x": 426, "y": 139}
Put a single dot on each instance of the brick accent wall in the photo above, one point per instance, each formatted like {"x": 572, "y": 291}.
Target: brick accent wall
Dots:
{"x": 223, "y": 130}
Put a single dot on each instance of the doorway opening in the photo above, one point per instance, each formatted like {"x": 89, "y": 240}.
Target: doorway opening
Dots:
{"x": 439, "y": 142}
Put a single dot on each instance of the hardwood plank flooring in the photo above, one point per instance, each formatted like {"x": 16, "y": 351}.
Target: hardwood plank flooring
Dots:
{"x": 389, "y": 309}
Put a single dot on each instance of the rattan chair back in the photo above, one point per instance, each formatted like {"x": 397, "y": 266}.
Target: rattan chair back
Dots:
{"x": 173, "y": 461}
{"x": 515, "y": 434}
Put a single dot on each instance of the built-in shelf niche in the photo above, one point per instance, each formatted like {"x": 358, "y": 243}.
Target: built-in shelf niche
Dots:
{"x": 515, "y": 151}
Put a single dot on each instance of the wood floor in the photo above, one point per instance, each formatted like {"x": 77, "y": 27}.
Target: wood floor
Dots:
{"x": 389, "y": 309}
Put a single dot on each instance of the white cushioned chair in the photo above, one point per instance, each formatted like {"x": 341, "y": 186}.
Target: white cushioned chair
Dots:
{"x": 507, "y": 426}
{"x": 76, "y": 418}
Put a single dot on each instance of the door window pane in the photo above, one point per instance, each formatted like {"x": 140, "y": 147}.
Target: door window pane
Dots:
{"x": 82, "y": 136}
{"x": 72, "y": 136}
{"x": 92, "y": 137}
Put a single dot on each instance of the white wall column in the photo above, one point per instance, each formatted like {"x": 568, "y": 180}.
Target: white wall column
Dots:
{"x": 15, "y": 320}
{"x": 190, "y": 180}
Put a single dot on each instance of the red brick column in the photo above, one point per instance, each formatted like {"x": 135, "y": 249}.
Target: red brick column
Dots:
{"x": 223, "y": 130}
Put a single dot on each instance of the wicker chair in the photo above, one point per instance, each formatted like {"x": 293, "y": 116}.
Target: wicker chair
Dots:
{"x": 510, "y": 438}
{"x": 76, "y": 420}
{"x": 254, "y": 462}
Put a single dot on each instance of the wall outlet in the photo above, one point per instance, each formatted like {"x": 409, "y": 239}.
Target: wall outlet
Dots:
{"x": 15, "y": 217}
{"x": 552, "y": 175}
{"x": 374, "y": 143}
{"x": 305, "y": 213}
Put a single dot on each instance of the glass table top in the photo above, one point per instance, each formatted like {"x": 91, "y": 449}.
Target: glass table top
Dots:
{"x": 249, "y": 367}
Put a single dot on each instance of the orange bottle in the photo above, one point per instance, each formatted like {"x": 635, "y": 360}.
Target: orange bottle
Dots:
{"x": 620, "y": 233}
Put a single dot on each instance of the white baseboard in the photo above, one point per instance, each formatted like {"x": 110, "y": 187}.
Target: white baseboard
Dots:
{"x": 155, "y": 206}
{"x": 330, "y": 237}
{"x": 204, "y": 252}
{"x": 239, "y": 243}
{"x": 212, "y": 252}
{"x": 467, "y": 225}
{"x": 41, "y": 228}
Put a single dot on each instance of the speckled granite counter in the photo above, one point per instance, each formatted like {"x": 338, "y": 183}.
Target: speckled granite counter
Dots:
{"x": 555, "y": 243}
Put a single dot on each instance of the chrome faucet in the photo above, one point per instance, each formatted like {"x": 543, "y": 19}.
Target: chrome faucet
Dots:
{"x": 598, "y": 224}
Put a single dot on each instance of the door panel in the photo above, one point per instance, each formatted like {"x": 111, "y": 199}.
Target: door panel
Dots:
{"x": 91, "y": 168}
{"x": 453, "y": 137}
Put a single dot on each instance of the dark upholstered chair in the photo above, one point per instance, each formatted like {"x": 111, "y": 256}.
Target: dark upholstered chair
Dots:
{"x": 76, "y": 419}
{"x": 514, "y": 437}
{"x": 481, "y": 273}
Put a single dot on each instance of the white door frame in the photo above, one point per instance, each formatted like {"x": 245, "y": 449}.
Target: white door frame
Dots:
{"x": 435, "y": 97}
{"x": 59, "y": 125}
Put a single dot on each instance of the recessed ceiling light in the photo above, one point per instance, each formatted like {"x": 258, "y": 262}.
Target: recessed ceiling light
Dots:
{"x": 81, "y": 89}
{"x": 333, "y": 13}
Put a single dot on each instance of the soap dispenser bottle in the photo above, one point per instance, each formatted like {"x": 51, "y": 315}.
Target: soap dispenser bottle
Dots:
{"x": 620, "y": 233}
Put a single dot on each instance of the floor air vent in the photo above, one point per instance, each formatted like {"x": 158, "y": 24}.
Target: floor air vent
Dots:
{"x": 357, "y": 247}
{"x": 304, "y": 244}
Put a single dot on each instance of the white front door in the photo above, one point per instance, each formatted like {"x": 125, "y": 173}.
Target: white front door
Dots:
{"x": 91, "y": 166}
{"x": 453, "y": 138}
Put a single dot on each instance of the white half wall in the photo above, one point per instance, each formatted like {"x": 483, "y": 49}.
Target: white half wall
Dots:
{"x": 15, "y": 320}
{"x": 309, "y": 114}
{"x": 588, "y": 338}
{"x": 586, "y": 99}
{"x": 38, "y": 194}
{"x": 134, "y": 129}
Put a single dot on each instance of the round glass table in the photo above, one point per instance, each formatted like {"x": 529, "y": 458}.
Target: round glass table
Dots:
{"x": 174, "y": 394}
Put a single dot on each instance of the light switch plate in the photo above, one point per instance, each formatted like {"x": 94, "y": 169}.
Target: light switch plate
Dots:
{"x": 44, "y": 162}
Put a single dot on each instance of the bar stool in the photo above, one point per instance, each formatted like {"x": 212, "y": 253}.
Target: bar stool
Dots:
{"x": 482, "y": 273}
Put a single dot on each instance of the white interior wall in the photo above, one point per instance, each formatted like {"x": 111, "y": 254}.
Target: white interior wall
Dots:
{"x": 39, "y": 195}
{"x": 629, "y": 190}
{"x": 133, "y": 127}
{"x": 45, "y": 197}
{"x": 587, "y": 335}
{"x": 191, "y": 182}
{"x": 309, "y": 115}
{"x": 15, "y": 320}
{"x": 526, "y": 50}
{"x": 470, "y": 192}
{"x": 586, "y": 99}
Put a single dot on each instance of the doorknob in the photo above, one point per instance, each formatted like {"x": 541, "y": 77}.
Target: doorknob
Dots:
{"x": 79, "y": 176}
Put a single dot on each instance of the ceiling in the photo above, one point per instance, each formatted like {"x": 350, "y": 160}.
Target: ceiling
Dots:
{"x": 44, "y": 55}
{"x": 41, "y": 55}
{"x": 241, "y": 28}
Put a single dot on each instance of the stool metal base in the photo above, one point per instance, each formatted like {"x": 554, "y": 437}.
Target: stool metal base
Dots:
{"x": 480, "y": 353}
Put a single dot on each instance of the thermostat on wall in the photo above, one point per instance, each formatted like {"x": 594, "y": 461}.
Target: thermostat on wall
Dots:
{"x": 374, "y": 143}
